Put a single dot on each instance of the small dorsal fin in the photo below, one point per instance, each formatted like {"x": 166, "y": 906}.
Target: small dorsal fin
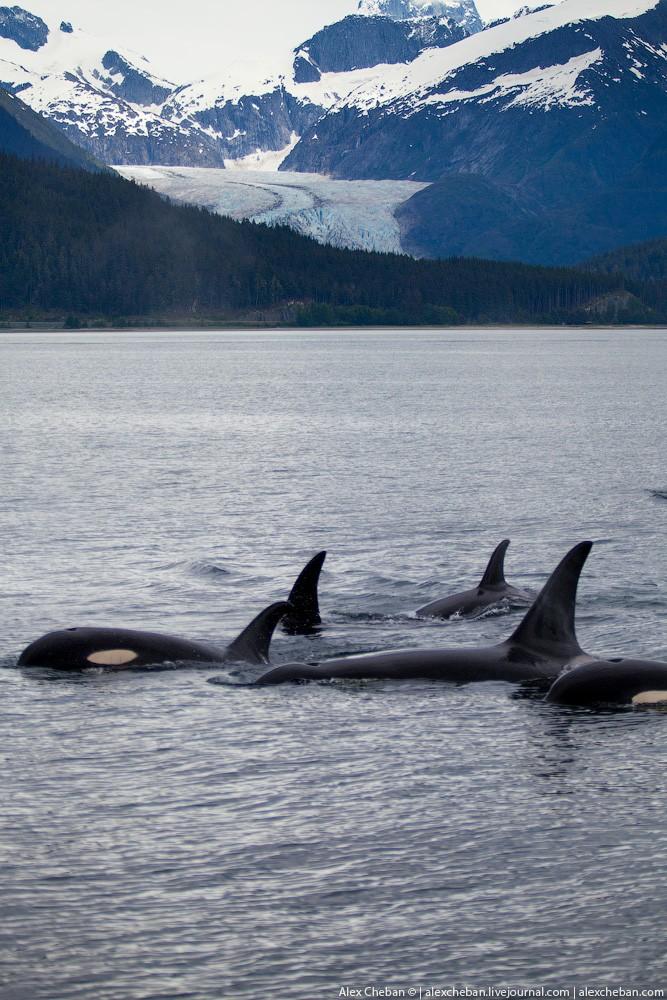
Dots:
{"x": 550, "y": 621}
{"x": 303, "y": 599}
{"x": 495, "y": 571}
{"x": 252, "y": 646}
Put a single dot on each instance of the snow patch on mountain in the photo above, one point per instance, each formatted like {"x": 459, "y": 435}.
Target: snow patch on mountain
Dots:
{"x": 250, "y": 81}
{"x": 418, "y": 79}
{"x": 74, "y": 67}
{"x": 263, "y": 161}
{"x": 358, "y": 215}
{"x": 555, "y": 86}
{"x": 543, "y": 87}
{"x": 247, "y": 78}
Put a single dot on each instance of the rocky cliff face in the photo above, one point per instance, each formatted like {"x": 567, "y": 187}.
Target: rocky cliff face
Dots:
{"x": 25, "y": 29}
{"x": 131, "y": 84}
{"x": 461, "y": 12}
{"x": 359, "y": 42}
{"x": 245, "y": 124}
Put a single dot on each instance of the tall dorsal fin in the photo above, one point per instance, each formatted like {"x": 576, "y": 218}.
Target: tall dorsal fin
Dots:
{"x": 252, "y": 646}
{"x": 550, "y": 621}
{"x": 495, "y": 571}
{"x": 303, "y": 596}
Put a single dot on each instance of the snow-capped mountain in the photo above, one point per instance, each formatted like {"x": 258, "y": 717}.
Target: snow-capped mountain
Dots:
{"x": 248, "y": 112}
{"x": 106, "y": 101}
{"x": 579, "y": 54}
{"x": 534, "y": 131}
{"x": 120, "y": 110}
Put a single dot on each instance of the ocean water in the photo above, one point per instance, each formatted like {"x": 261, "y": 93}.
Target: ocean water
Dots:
{"x": 162, "y": 837}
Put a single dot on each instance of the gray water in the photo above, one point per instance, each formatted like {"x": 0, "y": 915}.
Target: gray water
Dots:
{"x": 164, "y": 837}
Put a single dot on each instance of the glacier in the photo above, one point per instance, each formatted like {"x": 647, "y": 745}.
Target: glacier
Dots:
{"x": 355, "y": 215}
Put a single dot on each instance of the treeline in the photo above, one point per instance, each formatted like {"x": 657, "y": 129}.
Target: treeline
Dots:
{"x": 93, "y": 244}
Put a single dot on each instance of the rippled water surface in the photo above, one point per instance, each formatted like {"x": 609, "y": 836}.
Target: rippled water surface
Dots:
{"x": 166, "y": 838}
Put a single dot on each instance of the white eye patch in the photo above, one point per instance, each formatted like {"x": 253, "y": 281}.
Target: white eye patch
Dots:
{"x": 113, "y": 657}
{"x": 650, "y": 698}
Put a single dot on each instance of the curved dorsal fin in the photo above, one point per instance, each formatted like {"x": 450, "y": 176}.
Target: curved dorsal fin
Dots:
{"x": 303, "y": 598}
{"x": 494, "y": 573}
{"x": 252, "y": 646}
{"x": 550, "y": 620}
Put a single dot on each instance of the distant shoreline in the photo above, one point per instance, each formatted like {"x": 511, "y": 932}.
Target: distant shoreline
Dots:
{"x": 247, "y": 327}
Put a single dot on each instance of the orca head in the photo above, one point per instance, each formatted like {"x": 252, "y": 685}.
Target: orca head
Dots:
{"x": 612, "y": 682}
{"x": 78, "y": 648}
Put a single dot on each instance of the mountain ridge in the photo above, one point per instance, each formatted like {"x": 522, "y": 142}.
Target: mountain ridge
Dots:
{"x": 26, "y": 134}
{"x": 113, "y": 104}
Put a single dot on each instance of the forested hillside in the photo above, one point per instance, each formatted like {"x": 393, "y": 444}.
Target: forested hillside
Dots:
{"x": 639, "y": 261}
{"x": 643, "y": 266}
{"x": 94, "y": 244}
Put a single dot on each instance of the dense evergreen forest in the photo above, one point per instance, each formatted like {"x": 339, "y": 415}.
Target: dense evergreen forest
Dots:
{"x": 639, "y": 261}
{"x": 86, "y": 245}
{"x": 644, "y": 268}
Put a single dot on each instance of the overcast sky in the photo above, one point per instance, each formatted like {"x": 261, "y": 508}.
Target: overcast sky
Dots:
{"x": 195, "y": 38}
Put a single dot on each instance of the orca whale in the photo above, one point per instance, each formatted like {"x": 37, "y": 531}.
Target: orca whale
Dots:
{"x": 114, "y": 648}
{"x": 492, "y": 589}
{"x": 612, "y": 682}
{"x": 539, "y": 649}
{"x": 79, "y": 648}
{"x": 303, "y": 617}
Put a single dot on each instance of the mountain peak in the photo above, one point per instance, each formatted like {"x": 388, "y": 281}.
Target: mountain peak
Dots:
{"x": 462, "y": 12}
